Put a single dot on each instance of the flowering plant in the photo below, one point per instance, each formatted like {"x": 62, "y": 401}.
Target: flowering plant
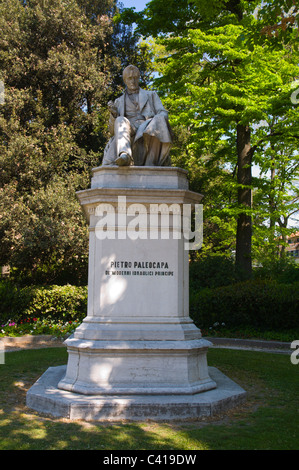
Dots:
{"x": 36, "y": 326}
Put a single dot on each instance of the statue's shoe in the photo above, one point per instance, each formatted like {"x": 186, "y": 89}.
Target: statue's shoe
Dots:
{"x": 123, "y": 160}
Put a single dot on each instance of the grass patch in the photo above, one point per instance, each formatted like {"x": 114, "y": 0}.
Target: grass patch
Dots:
{"x": 268, "y": 420}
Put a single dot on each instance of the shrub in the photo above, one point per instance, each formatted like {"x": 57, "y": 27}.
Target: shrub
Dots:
{"x": 54, "y": 303}
{"x": 282, "y": 270}
{"x": 58, "y": 303}
{"x": 257, "y": 303}
{"x": 13, "y": 300}
{"x": 212, "y": 271}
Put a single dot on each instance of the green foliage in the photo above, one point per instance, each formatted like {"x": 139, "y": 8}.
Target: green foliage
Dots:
{"x": 13, "y": 301}
{"x": 221, "y": 73}
{"x": 212, "y": 271}
{"x": 58, "y": 303}
{"x": 256, "y": 303}
{"x": 282, "y": 270}
{"x": 35, "y": 326}
{"x": 275, "y": 200}
{"x": 277, "y": 21}
{"x": 56, "y": 80}
{"x": 48, "y": 234}
{"x": 219, "y": 296}
{"x": 60, "y": 63}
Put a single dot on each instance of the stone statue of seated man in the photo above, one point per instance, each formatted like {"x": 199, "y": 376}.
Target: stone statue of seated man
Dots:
{"x": 141, "y": 134}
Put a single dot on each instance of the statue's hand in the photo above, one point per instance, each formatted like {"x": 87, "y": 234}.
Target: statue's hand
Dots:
{"x": 112, "y": 108}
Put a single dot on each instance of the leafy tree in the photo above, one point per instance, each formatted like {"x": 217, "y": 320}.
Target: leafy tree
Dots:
{"x": 223, "y": 77}
{"x": 276, "y": 200}
{"x": 59, "y": 63}
{"x": 124, "y": 41}
{"x": 278, "y": 21}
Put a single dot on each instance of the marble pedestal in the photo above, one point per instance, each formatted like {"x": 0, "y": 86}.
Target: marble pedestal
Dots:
{"x": 137, "y": 339}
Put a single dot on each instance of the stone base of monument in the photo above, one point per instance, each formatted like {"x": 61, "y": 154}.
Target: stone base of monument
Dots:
{"x": 137, "y": 353}
{"x": 45, "y": 397}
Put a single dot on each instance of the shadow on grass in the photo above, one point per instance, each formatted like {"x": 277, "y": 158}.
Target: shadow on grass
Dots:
{"x": 269, "y": 419}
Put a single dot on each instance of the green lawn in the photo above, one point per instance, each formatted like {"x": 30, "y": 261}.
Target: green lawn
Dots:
{"x": 268, "y": 420}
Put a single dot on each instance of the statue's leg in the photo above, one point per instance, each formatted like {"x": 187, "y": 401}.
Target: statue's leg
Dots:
{"x": 122, "y": 133}
{"x": 157, "y": 139}
{"x": 139, "y": 152}
{"x": 153, "y": 149}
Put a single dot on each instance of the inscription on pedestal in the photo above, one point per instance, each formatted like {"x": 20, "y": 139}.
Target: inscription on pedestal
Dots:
{"x": 139, "y": 268}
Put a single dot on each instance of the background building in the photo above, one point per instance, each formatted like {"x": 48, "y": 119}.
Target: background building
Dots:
{"x": 293, "y": 246}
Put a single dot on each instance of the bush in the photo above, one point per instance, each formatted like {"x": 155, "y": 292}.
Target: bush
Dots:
{"x": 257, "y": 303}
{"x": 282, "y": 270}
{"x": 13, "y": 300}
{"x": 54, "y": 303}
{"x": 59, "y": 303}
{"x": 212, "y": 271}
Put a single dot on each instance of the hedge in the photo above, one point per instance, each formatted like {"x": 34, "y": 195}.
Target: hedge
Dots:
{"x": 257, "y": 303}
{"x": 54, "y": 302}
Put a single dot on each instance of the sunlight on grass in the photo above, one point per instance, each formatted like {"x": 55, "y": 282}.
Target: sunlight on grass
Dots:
{"x": 174, "y": 437}
{"x": 268, "y": 420}
{"x": 61, "y": 445}
{"x": 5, "y": 422}
{"x": 33, "y": 433}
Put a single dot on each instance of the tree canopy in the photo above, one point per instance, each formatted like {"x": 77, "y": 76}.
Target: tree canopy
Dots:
{"x": 60, "y": 62}
{"x": 228, "y": 72}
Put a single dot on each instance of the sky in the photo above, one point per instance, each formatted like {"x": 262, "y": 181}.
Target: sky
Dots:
{"x": 138, "y": 4}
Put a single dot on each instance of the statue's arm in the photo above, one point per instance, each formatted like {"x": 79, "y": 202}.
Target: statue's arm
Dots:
{"x": 113, "y": 115}
{"x": 158, "y": 106}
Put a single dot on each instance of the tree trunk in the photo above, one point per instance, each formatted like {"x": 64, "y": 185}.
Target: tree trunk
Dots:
{"x": 283, "y": 224}
{"x": 272, "y": 187}
{"x": 271, "y": 197}
{"x": 244, "y": 225}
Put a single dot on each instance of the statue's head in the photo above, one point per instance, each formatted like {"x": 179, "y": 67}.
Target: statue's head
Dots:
{"x": 131, "y": 77}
